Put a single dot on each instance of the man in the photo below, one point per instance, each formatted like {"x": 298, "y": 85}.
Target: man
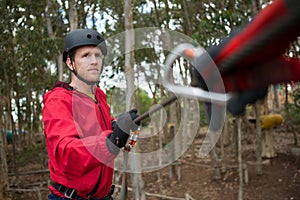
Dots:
{"x": 81, "y": 138}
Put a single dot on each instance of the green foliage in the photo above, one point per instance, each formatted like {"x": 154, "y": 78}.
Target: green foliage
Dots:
{"x": 26, "y": 52}
{"x": 143, "y": 100}
{"x": 116, "y": 98}
{"x": 29, "y": 50}
{"x": 294, "y": 108}
{"x": 203, "y": 115}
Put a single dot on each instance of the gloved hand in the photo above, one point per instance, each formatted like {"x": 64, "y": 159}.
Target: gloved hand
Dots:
{"x": 122, "y": 126}
{"x": 237, "y": 104}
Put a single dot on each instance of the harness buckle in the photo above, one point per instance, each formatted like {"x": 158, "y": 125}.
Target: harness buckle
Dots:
{"x": 69, "y": 193}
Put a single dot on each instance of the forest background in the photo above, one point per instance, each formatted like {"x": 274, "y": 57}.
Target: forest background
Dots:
{"x": 32, "y": 35}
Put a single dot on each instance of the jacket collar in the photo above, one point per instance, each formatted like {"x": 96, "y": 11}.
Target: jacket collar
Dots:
{"x": 63, "y": 85}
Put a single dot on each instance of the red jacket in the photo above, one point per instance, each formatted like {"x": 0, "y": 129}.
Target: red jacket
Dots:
{"x": 76, "y": 128}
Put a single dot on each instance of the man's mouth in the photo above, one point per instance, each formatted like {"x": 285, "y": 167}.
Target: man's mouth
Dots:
{"x": 93, "y": 69}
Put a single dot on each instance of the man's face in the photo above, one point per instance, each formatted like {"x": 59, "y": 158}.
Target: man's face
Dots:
{"x": 88, "y": 63}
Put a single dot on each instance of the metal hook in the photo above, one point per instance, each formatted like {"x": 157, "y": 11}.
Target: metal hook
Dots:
{"x": 191, "y": 53}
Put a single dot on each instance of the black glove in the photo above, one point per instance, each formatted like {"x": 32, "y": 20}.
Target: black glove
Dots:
{"x": 237, "y": 104}
{"x": 122, "y": 126}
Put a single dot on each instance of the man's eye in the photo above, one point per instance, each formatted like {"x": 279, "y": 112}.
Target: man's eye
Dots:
{"x": 85, "y": 55}
{"x": 98, "y": 55}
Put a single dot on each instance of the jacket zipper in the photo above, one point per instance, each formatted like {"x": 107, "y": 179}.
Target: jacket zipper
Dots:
{"x": 102, "y": 115}
{"x": 98, "y": 181}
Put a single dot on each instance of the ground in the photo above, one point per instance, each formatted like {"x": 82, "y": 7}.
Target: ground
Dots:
{"x": 280, "y": 178}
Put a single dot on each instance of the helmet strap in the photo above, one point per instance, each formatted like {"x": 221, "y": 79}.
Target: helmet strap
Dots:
{"x": 82, "y": 79}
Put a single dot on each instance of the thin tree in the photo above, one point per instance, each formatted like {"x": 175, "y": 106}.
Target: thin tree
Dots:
{"x": 3, "y": 162}
{"x": 130, "y": 100}
{"x": 48, "y": 9}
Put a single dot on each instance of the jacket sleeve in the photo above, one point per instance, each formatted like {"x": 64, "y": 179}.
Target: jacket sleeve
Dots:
{"x": 66, "y": 146}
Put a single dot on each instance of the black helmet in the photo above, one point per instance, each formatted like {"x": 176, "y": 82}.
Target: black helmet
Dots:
{"x": 83, "y": 37}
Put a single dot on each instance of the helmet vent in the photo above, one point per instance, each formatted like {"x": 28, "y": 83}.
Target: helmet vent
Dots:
{"x": 98, "y": 37}
{"x": 89, "y": 36}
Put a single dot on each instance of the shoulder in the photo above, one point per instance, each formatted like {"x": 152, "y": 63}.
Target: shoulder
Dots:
{"x": 60, "y": 90}
{"x": 57, "y": 101}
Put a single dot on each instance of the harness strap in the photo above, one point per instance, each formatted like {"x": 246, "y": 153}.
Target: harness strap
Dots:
{"x": 71, "y": 193}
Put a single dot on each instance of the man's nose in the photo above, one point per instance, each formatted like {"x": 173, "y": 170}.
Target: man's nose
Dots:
{"x": 93, "y": 58}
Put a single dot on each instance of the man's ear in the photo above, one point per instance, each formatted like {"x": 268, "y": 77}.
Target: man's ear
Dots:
{"x": 70, "y": 64}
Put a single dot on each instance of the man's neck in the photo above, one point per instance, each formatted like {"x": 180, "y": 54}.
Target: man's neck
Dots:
{"x": 82, "y": 86}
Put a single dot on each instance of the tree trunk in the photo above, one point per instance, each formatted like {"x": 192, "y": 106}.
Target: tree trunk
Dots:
{"x": 186, "y": 17}
{"x": 267, "y": 144}
{"x": 73, "y": 16}
{"x": 19, "y": 114}
{"x": 60, "y": 67}
{"x": 240, "y": 160}
{"x": 29, "y": 109}
{"x": 3, "y": 162}
{"x": 130, "y": 100}
{"x": 256, "y": 7}
{"x": 11, "y": 121}
{"x": 275, "y": 101}
{"x": 129, "y": 55}
{"x": 59, "y": 61}
{"x": 258, "y": 139}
